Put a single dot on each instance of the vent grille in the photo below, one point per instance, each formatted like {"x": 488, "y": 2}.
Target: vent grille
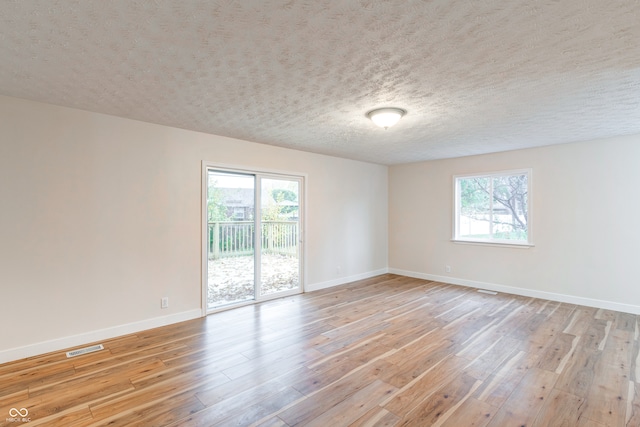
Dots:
{"x": 484, "y": 291}
{"x": 85, "y": 350}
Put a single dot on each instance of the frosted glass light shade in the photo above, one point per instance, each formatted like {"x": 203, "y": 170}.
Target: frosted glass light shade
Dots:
{"x": 386, "y": 117}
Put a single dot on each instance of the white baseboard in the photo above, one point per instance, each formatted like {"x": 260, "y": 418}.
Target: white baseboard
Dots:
{"x": 130, "y": 328}
{"x": 571, "y": 299}
{"x": 343, "y": 280}
{"x": 93, "y": 336}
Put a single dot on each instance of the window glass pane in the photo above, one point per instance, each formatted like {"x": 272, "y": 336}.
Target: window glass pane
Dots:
{"x": 475, "y": 208}
{"x": 493, "y": 207}
{"x": 510, "y": 207}
{"x": 280, "y": 265}
{"x": 230, "y": 208}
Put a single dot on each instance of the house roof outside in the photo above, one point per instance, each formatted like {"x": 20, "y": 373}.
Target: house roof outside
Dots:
{"x": 236, "y": 197}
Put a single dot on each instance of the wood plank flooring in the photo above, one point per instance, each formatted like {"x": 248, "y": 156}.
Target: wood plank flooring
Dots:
{"x": 386, "y": 351}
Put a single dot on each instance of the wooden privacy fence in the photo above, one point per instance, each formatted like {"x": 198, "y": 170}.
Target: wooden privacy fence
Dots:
{"x": 236, "y": 238}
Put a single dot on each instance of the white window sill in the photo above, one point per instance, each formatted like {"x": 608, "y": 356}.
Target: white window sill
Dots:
{"x": 498, "y": 244}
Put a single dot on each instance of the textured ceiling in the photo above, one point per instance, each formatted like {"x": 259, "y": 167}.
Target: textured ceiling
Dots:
{"x": 474, "y": 76}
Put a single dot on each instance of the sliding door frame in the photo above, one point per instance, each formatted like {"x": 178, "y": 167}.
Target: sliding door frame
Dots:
{"x": 258, "y": 174}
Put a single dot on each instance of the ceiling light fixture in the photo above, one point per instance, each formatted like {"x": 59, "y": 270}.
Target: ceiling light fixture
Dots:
{"x": 386, "y": 117}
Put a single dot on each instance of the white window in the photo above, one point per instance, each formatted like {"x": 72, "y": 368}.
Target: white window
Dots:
{"x": 493, "y": 207}
{"x": 238, "y": 213}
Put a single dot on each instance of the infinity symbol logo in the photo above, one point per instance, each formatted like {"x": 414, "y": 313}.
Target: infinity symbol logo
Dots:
{"x": 22, "y": 412}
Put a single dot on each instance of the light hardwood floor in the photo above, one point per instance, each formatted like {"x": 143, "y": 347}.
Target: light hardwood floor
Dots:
{"x": 385, "y": 351}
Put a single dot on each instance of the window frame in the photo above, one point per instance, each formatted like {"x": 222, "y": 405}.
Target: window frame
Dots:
{"x": 492, "y": 241}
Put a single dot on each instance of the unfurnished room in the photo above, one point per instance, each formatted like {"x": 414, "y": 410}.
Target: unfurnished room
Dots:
{"x": 319, "y": 213}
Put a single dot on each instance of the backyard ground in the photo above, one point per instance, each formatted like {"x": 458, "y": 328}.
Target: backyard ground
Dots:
{"x": 231, "y": 279}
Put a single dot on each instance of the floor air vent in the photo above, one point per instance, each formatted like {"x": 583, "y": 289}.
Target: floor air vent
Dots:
{"x": 85, "y": 350}
{"x": 484, "y": 291}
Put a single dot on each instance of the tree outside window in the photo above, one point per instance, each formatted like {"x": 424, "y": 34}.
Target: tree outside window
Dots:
{"x": 493, "y": 208}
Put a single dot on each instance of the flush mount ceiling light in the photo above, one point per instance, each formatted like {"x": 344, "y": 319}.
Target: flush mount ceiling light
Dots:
{"x": 386, "y": 117}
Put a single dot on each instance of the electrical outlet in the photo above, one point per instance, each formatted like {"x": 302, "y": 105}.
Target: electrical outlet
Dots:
{"x": 338, "y": 270}
{"x": 164, "y": 302}
{"x": 447, "y": 268}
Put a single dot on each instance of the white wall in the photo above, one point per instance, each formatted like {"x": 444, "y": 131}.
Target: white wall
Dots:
{"x": 586, "y": 207}
{"x": 100, "y": 217}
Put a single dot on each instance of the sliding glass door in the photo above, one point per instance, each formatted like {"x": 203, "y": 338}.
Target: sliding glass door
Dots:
{"x": 280, "y": 242}
{"x": 231, "y": 237}
{"x": 253, "y": 237}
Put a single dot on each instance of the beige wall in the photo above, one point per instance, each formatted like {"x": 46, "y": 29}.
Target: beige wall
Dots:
{"x": 101, "y": 217}
{"x": 586, "y": 201}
